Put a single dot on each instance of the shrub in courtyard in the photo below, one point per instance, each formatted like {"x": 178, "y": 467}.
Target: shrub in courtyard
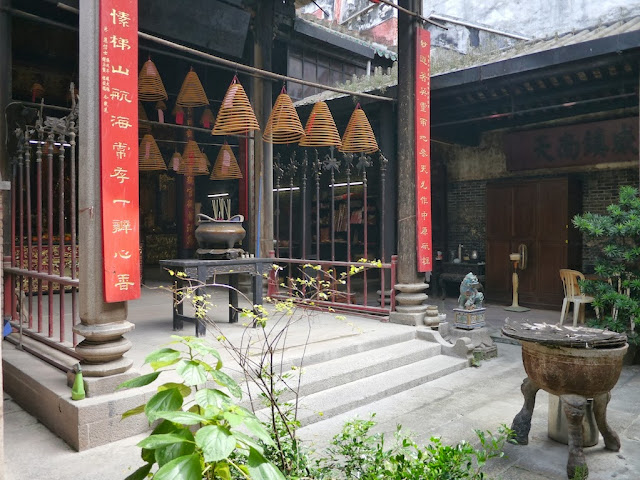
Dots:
{"x": 617, "y": 291}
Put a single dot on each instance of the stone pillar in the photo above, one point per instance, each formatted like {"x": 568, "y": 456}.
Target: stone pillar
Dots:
{"x": 262, "y": 94}
{"x": 410, "y": 300}
{"x": 103, "y": 324}
{"x": 5, "y": 96}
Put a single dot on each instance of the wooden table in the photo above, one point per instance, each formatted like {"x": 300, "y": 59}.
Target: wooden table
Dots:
{"x": 199, "y": 271}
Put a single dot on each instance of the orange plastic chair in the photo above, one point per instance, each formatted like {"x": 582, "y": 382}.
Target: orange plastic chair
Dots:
{"x": 573, "y": 295}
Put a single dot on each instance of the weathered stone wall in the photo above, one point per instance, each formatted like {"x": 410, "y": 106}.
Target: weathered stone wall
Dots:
{"x": 467, "y": 217}
{"x": 535, "y": 19}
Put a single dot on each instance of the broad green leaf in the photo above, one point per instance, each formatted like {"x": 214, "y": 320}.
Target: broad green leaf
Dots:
{"x": 233, "y": 418}
{"x": 186, "y": 467}
{"x": 211, "y": 396}
{"x": 140, "y": 381}
{"x": 192, "y": 372}
{"x": 164, "y": 401}
{"x": 162, "y": 427}
{"x": 225, "y": 380}
{"x": 141, "y": 473}
{"x": 216, "y": 442}
{"x": 167, "y": 356}
{"x": 222, "y": 471}
{"x": 184, "y": 418}
{"x": 257, "y": 428}
{"x": 205, "y": 349}
{"x": 133, "y": 411}
{"x": 182, "y": 388}
{"x": 171, "y": 452}
{"x": 247, "y": 441}
{"x": 160, "y": 440}
{"x": 261, "y": 469}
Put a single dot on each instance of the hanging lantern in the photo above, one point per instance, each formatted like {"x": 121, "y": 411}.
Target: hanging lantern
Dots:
{"x": 207, "y": 119}
{"x": 358, "y": 136}
{"x": 143, "y": 127}
{"x": 150, "y": 86}
{"x": 37, "y": 91}
{"x": 192, "y": 161}
{"x": 320, "y": 130}
{"x": 191, "y": 93}
{"x": 284, "y": 124}
{"x": 176, "y": 160}
{"x": 161, "y": 107}
{"x": 149, "y": 157}
{"x": 226, "y": 166}
{"x": 236, "y": 115}
{"x": 178, "y": 113}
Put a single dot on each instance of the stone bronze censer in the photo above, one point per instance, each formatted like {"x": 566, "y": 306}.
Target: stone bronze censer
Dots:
{"x": 218, "y": 237}
{"x": 576, "y": 364}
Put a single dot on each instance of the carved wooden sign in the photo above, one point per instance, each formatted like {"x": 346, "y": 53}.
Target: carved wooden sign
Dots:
{"x": 119, "y": 149}
{"x": 586, "y": 144}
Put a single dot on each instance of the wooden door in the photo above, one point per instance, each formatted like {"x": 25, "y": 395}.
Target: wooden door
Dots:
{"x": 535, "y": 213}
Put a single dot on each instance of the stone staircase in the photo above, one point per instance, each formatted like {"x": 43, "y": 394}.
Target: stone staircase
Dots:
{"x": 346, "y": 373}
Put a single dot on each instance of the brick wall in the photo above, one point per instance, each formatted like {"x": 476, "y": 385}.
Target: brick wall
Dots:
{"x": 467, "y": 217}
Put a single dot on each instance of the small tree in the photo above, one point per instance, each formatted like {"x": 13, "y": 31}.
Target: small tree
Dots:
{"x": 617, "y": 291}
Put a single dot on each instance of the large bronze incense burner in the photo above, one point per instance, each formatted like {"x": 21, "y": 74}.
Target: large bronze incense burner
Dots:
{"x": 575, "y": 363}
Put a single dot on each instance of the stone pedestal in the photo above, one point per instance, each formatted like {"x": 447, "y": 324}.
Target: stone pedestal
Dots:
{"x": 410, "y": 308}
{"x": 469, "y": 319}
{"x": 483, "y": 345}
{"x": 432, "y": 318}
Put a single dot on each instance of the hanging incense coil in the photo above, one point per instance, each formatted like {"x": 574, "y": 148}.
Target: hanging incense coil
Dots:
{"x": 192, "y": 161}
{"x": 235, "y": 115}
{"x": 284, "y": 125}
{"x": 320, "y": 130}
{"x": 207, "y": 119}
{"x": 206, "y": 159}
{"x": 149, "y": 157}
{"x": 150, "y": 86}
{"x": 358, "y": 136}
{"x": 142, "y": 118}
{"x": 226, "y": 166}
{"x": 192, "y": 93}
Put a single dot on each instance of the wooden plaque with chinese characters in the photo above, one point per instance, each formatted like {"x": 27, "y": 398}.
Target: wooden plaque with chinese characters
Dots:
{"x": 607, "y": 141}
{"x": 422, "y": 149}
{"x": 119, "y": 148}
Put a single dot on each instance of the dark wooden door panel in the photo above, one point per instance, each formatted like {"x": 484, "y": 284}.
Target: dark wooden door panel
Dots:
{"x": 553, "y": 257}
{"x": 553, "y": 206}
{"x": 499, "y": 203}
{"x": 525, "y": 208}
{"x": 498, "y": 270}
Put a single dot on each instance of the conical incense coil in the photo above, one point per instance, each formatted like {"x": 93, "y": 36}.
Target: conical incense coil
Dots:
{"x": 207, "y": 119}
{"x": 235, "y": 115}
{"x": 358, "y": 136}
{"x": 192, "y": 161}
{"x": 150, "y": 86}
{"x": 320, "y": 130}
{"x": 284, "y": 124}
{"x": 191, "y": 93}
{"x": 226, "y": 165}
{"x": 149, "y": 157}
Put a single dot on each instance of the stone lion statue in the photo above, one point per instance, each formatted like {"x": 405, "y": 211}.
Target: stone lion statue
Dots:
{"x": 470, "y": 297}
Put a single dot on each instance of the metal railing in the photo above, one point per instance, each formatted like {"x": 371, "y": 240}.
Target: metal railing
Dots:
{"x": 44, "y": 250}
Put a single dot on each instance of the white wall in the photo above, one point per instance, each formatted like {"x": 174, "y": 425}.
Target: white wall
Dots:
{"x": 535, "y": 18}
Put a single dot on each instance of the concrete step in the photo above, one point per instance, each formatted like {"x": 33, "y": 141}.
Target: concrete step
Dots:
{"x": 332, "y": 401}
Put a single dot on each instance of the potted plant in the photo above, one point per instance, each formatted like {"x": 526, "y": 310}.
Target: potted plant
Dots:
{"x": 616, "y": 290}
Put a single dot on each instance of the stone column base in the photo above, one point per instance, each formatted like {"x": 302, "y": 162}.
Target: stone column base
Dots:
{"x": 410, "y": 308}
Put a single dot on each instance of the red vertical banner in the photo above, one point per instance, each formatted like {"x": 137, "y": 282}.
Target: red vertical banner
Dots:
{"x": 188, "y": 212}
{"x": 423, "y": 150}
{"x": 119, "y": 149}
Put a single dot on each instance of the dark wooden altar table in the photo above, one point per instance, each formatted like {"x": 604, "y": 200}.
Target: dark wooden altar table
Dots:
{"x": 198, "y": 272}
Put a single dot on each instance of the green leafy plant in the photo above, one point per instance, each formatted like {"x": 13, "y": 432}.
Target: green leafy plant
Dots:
{"x": 202, "y": 432}
{"x": 617, "y": 292}
{"x": 356, "y": 453}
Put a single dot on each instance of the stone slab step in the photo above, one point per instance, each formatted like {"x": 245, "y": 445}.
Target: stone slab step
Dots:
{"x": 340, "y": 399}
